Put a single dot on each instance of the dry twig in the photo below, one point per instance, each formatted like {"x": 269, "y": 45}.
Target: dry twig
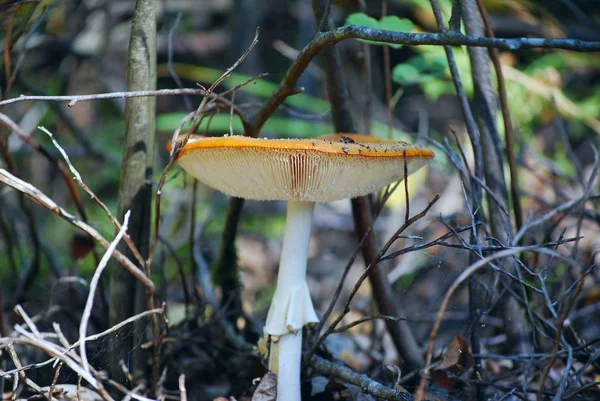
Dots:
{"x": 93, "y": 285}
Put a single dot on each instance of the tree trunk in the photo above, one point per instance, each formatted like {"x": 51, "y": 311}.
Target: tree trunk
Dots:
{"x": 127, "y": 295}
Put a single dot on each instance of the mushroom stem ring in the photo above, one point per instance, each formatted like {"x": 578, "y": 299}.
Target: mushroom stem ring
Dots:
{"x": 292, "y": 307}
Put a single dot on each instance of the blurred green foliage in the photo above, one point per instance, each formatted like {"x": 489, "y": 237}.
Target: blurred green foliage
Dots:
{"x": 540, "y": 84}
{"x": 261, "y": 88}
{"x": 219, "y": 124}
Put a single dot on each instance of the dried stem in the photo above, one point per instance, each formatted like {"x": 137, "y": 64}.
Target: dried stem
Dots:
{"x": 460, "y": 279}
{"x": 87, "y": 311}
{"x": 372, "y": 264}
{"x": 72, "y": 100}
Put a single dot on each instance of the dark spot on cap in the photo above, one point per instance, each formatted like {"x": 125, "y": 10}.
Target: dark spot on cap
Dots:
{"x": 345, "y": 139}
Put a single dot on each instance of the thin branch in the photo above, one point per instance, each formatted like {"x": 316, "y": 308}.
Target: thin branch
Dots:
{"x": 372, "y": 264}
{"x": 547, "y": 216}
{"x": 172, "y": 72}
{"x": 23, "y": 136}
{"x": 19, "y": 309}
{"x": 453, "y": 39}
{"x": 54, "y": 351}
{"x": 387, "y": 78}
{"x": 439, "y": 241}
{"x": 54, "y": 380}
{"x": 366, "y": 384}
{"x": 459, "y": 280}
{"x": 386, "y": 195}
{"x": 474, "y": 135}
{"x": 87, "y": 339}
{"x": 21, "y": 372}
{"x": 74, "y": 99}
{"x": 326, "y": 39}
{"x": 366, "y": 319}
{"x": 559, "y": 333}
{"x": 342, "y": 280}
{"x": 87, "y": 311}
{"x": 116, "y": 327}
{"x": 455, "y": 17}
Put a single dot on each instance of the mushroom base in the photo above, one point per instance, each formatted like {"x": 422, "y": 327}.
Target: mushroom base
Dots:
{"x": 285, "y": 357}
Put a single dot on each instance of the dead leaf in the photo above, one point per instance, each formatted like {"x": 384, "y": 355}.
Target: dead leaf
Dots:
{"x": 81, "y": 246}
{"x": 68, "y": 392}
{"x": 457, "y": 355}
{"x": 456, "y": 360}
{"x": 267, "y": 388}
{"x": 318, "y": 384}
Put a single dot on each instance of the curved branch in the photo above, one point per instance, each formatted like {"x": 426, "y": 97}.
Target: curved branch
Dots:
{"x": 454, "y": 39}
{"x": 449, "y": 38}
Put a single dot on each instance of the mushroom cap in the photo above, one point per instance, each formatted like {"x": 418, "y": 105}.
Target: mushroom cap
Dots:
{"x": 324, "y": 169}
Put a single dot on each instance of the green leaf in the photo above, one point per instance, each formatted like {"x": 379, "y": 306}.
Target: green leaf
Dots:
{"x": 423, "y": 69}
{"x": 435, "y": 88}
{"x": 362, "y": 19}
{"x": 388, "y": 23}
{"x": 438, "y": 63}
{"x": 405, "y": 74}
{"x": 395, "y": 24}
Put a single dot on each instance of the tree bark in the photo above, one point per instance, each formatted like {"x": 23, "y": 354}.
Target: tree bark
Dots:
{"x": 127, "y": 295}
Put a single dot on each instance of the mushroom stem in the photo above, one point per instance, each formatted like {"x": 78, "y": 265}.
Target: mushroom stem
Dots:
{"x": 291, "y": 307}
{"x": 285, "y": 357}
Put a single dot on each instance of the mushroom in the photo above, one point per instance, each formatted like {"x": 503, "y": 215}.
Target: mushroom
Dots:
{"x": 301, "y": 172}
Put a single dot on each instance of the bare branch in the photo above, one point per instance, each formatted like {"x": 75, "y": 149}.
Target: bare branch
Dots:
{"x": 372, "y": 264}
{"x": 366, "y": 319}
{"x": 93, "y": 285}
{"x": 367, "y": 385}
{"x": 322, "y": 40}
{"x": 74, "y": 99}
{"x": 459, "y": 280}
{"x": 453, "y": 39}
